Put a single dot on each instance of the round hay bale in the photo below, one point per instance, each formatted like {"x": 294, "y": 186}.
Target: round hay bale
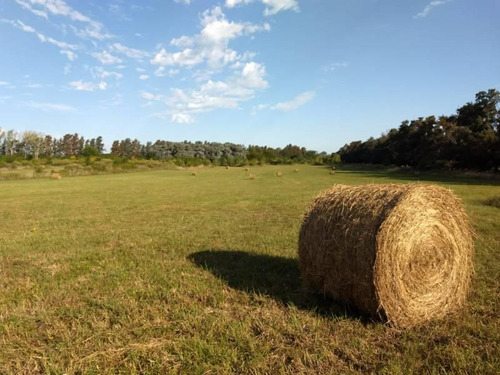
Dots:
{"x": 332, "y": 172}
{"x": 55, "y": 176}
{"x": 401, "y": 253}
{"x": 227, "y": 166}
{"x": 251, "y": 176}
{"x": 295, "y": 170}
{"x": 279, "y": 174}
{"x": 194, "y": 173}
{"x": 246, "y": 169}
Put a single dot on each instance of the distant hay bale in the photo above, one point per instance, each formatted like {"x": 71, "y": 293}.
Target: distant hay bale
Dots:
{"x": 246, "y": 169}
{"x": 194, "y": 173}
{"x": 402, "y": 253}
{"x": 295, "y": 170}
{"x": 279, "y": 174}
{"x": 332, "y": 172}
{"x": 55, "y": 176}
{"x": 251, "y": 176}
{"x": 227, "y": 166}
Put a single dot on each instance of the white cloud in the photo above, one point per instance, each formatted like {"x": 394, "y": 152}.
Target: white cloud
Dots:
{"x": 93, "y": 29}
{"x": 67, "y": 49}
{"x": 106, "y": 58}
{"x": 275, "y": 6}
{"x": 188, "y": 57}
{"x": 49, "y": 106}
{"x": 140, "y": 70}
{"x": 334, "y": 66}
{"x": 210, "y": 45}
{"x": 99, "y": 73}
{"x": 182, "y": 105}
{"x": 183, "y": 1}
{"x": 39, "y": 13}
{"x": 272, "y": 6}
{"x": 69, "y": 54}
{"x": 3, "y": 83}
{"x": 430, "y": 7}
{"x": 129, "y": 52}
{"x": 182, "y": 118}
{"x": 44, "y": 39}
{"x": 88, "y": 86}
{"x": 233, "y": 3}
{"x": 296, "y": 102}
{"x": 160, "y": 72}
{"x": 149, "y": 96}
{"x": 143, "y": 77}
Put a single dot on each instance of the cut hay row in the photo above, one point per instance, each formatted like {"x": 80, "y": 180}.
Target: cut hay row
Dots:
{"x": 402, "y": 253}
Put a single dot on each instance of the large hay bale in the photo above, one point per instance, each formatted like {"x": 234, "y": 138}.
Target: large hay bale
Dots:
{"x": 402, "y": 253}
{"x": 55, "y": 176}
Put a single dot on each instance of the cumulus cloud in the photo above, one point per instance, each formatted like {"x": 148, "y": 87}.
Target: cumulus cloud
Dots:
{"x": 210, "y": 45}
{"x": 187, "y": 2}
{"x": 429, "y": 7}
{"x": 143, "y": 77}
{"x": 88, "y": 86}
{"x": 183, "y": 105}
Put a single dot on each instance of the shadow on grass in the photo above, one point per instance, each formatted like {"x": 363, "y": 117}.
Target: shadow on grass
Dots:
{"x": 272, "y": 276}
{"x": 432, "y": 176}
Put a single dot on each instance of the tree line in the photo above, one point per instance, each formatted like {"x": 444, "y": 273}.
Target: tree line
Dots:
{"x": 31, "y": 145}
{"x": 468, "y": 139}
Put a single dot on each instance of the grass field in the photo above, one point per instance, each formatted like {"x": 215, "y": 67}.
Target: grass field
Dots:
{"x": 165, "y": 272}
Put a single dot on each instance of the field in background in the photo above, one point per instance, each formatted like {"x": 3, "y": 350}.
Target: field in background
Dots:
{"x": 165, "y": 271}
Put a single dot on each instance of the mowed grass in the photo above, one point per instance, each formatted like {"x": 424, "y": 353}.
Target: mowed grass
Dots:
{"x": 166, "y": 272}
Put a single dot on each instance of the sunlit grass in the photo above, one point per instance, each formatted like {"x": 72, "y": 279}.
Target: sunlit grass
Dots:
{"x": 166, "y": 272}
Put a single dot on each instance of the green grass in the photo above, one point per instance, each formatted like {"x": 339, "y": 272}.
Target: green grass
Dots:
{"x": 165, "y": 272}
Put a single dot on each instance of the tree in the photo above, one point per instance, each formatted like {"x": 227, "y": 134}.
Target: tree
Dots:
{"x": 99, "y": 145}
{"x": 33, "y": 143}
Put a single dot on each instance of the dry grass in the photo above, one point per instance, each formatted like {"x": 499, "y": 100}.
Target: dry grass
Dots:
{"x": 400, "y": 252}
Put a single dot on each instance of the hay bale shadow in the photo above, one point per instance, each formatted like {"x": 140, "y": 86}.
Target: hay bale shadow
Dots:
{"x": 273, "y": 276}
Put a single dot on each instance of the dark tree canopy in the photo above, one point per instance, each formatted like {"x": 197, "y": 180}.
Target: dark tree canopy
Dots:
{"x": 469, "y": 139}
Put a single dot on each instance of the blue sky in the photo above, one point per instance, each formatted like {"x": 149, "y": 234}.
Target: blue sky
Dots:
{"x": 317, "y": 73}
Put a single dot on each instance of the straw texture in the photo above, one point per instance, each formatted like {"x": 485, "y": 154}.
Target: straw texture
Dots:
{"x": 402, "y": 253}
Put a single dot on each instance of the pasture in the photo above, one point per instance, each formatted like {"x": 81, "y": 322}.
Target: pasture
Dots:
{"x": 174, "y": 272}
